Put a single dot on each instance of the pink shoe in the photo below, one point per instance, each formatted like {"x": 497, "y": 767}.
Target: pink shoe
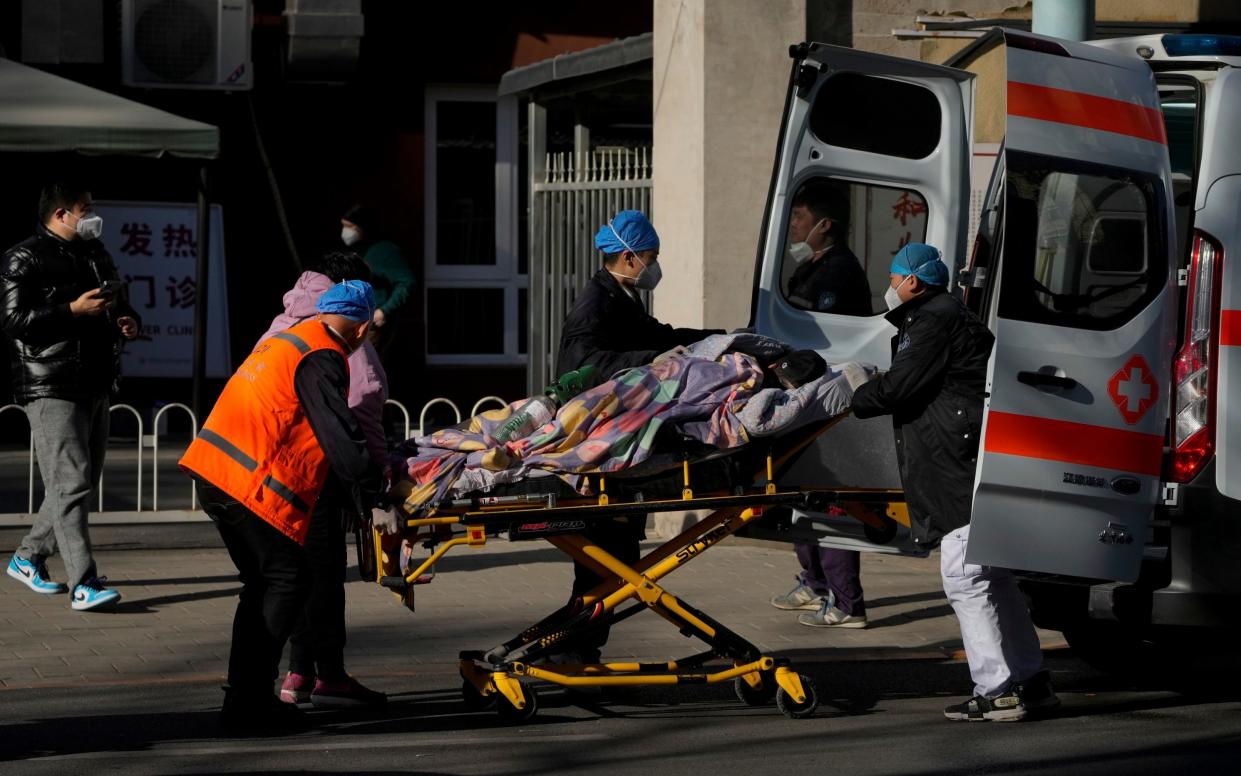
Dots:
{"x": 345, "y": 692}
{"x": 296, "y": 688}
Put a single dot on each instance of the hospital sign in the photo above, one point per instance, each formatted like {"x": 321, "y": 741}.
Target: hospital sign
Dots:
{"x": 155, "y": 247}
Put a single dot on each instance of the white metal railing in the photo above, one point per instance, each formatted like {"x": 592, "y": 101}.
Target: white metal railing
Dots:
{"x": 404, "y": 413}
{"x": 422, "y": 416}
{"x": 570, "y": 197}
{"x": 155, "y": 446}
{"x": 487, "y": 400}
{"x": 30, "y": 454}
{"x": 99, "y": 485}
{"x": 155, "y": 455}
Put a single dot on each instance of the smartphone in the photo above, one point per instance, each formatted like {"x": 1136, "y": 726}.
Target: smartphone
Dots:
{"x": 111, "y": 288}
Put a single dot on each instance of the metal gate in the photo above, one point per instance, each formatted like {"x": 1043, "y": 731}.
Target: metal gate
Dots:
{"x": 577, "y": 194}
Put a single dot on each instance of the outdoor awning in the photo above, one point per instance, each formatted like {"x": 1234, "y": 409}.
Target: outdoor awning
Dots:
{"x": 567, "y": 69}
{"x": 41, "y": 112}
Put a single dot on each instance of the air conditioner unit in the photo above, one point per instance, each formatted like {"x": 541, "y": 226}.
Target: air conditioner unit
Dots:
{"x": 186, "y": 44}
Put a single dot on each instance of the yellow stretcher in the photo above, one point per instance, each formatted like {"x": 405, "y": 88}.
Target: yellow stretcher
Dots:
{"x": 495, "y": 677}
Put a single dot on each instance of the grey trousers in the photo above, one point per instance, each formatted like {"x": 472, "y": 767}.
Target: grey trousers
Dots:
{"x": 70, "y": 438}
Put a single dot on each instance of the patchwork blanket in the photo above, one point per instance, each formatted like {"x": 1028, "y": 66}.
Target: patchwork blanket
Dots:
{"x": 712, "y": 393}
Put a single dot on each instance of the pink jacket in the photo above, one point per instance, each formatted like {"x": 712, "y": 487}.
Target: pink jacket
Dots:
{"x": 368, "y": 383}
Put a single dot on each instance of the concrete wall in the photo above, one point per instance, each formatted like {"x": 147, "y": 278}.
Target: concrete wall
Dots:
{"x": 720, "y": 75}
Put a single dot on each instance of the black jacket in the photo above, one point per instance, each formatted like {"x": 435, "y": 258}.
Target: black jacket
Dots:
{"x": 613, "y": 331}
{"x": 934, "y": 393}
{"x": 322, "y": 386}
{"x": 53, "y": 354}
{"x": 833, "y": 283}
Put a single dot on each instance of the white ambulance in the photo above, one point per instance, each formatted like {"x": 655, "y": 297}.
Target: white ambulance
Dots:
{"x": 1105, "y": 474}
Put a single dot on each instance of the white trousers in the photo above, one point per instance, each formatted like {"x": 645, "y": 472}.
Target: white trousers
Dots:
{"x": 1000, "y": 643}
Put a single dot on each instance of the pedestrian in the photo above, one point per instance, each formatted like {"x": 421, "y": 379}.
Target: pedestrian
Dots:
{"x": 391, "y": 276}
{"x": 66, "y": 315}
{"x": 317, "y": 644}
{"x": 610, "y": 329}
{"x": 934, "y": 392}
{"x": 279, "y": 431}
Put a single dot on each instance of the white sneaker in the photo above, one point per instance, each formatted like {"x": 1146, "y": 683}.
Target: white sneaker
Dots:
{"x": 829, "y": 616}
{"x": 91, "y": 594}
{"x": 33, "y": 574}
{"x": 800, "y": 597}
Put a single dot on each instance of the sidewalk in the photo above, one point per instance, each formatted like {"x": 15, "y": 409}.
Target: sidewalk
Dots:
{"x": 174, "y": 622}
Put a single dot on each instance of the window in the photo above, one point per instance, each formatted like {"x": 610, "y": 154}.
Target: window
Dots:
{"x": 840, "y": 238}
{"x": 878, "y": 115}
{"x": 467, "y": 321}
{"x": 465, "y": 196}
{"x": 1077, "y": 244}
{"x": 474, "y": 283}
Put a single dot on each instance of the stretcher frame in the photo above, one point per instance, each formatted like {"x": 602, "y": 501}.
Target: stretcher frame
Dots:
{"x": 495, "y": 677}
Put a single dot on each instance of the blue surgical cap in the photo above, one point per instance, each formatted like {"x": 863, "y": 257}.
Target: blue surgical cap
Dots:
{"x": 923, "y": 262}
{"x": 352, "y": 299}
{"x": 629, "y": 230}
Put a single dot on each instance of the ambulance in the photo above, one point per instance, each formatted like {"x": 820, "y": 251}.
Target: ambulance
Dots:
{"x": 1109, "y": 469}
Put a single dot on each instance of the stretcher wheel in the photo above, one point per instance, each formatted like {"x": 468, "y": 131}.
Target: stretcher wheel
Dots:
{"x": 791, "y": 708}
{"x": 515, "y": 716}
{"x": 475, "y": 700}
{"x": 751, "y": 696}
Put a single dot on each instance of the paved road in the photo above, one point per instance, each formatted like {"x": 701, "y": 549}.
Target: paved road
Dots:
{"x": 136, "y": 691}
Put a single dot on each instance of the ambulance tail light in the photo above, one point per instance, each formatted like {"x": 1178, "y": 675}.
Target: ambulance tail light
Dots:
{"x": 1194, "y": 371}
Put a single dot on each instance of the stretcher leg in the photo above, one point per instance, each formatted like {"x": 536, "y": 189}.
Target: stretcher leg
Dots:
{"x": 757, "y": 677}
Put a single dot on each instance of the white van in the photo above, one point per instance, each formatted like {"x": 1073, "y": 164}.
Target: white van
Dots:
{"x": 1100, "y": 265}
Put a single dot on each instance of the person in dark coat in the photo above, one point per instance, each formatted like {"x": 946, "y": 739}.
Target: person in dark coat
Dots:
{"x": 934, "y": 392}
{"x": 66, "y": 315}
{"x": 610, "y": 329}
{"x": 829, "y": 277}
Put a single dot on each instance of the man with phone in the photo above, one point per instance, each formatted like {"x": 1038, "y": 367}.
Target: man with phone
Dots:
{"x": 65, "y": 315}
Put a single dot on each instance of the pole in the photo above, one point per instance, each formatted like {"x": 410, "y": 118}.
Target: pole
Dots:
{"x": 1067, "y": 19}
{"x": 200, "y": 299}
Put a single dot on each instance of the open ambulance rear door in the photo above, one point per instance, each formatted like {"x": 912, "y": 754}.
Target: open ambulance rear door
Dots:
{"x": 1080, "y": 294}
{"x": 892, "y": 137}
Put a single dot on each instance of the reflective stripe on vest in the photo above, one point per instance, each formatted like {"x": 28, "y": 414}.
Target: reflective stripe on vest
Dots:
{"x": 249, "y": 464}
{"x": 294, "y": 340}
{"x": 228, "y": 448}
{"x": 257, "y": 444}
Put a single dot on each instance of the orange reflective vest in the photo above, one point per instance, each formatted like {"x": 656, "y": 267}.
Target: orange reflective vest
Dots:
{"x": 257, "y": 445}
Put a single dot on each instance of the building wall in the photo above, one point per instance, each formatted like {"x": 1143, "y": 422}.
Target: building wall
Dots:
{"x": 329, "y": 145}
{"x": 721, "y": 72}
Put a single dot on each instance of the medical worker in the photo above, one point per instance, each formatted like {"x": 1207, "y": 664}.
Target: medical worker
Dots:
{"x": 934, "y": 393}
{"x": 610, "y": 329}
{"x": 281, "y": 428}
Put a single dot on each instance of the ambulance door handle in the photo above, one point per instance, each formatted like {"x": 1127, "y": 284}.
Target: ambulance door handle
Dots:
{"x": 1044, "y": 380}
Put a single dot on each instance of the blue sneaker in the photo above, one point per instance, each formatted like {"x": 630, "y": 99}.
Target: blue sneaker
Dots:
{"x": 33, "y": 574}
{"x": 91, "y": 594}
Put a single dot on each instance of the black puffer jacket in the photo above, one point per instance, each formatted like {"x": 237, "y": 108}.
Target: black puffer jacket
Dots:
{"x": 54, "y": 354}
{"x": 934, "y": 393}
{"x": 611, "y": 330}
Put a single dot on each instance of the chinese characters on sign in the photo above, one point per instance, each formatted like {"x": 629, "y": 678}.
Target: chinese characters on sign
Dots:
{"x": 155, "y": 246}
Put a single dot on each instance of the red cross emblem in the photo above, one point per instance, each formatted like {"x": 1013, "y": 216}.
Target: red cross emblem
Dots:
{"x": 1133, "y": 389}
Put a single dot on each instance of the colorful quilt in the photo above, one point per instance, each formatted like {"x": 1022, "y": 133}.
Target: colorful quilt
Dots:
{"x": 709, "y": 393}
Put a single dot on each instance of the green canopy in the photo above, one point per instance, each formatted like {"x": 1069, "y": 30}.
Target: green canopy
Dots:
{"x": 42, "y": 112}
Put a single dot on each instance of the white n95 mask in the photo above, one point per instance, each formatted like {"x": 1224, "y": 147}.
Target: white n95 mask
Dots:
{"x": 89, "y": 227}
{"x": 349, "y": 235}
{"x": 891, "y": 298}
{"x": 800, "y": 252}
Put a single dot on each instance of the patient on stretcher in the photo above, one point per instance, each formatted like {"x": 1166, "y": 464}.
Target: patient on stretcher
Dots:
{"x": 723, "y": 391}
